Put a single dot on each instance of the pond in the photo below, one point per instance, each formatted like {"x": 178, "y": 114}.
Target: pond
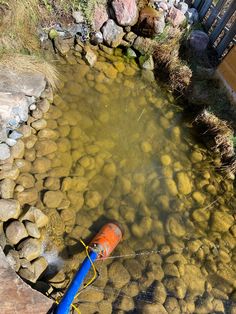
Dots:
{"x": 125, "y": 152}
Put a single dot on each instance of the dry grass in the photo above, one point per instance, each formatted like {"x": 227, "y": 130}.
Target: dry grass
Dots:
{"x": 18, "y": 26}
{"x": 26, "y": 63}
{"x": 211, "y": 127}
{"x": 166, "y": 56}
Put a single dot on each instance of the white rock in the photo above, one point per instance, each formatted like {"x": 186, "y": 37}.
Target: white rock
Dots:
{"x": 4, "y": 151}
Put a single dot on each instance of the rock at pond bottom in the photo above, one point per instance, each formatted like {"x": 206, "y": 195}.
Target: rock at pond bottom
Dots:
{"x": 126, "y": 12}
{"x": 154, "y": 308}
{"x": 52, "y": 199}
{"x": 15, "y": 232}
{"x": 221, "y": 221}
{"x": 118, "y": 275}
{"x": 112, "y": 33}
{"x": 100, "y": 16}
{"x": 9, "y": 209}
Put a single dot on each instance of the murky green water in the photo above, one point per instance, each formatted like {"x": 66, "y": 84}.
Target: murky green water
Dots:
{"x": 126, "y": 153}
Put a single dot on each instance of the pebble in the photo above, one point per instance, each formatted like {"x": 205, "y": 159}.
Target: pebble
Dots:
{"x": 153, "y": 308}
{"x": 4, "y": 151}
{"x": 221, "y": 221}
{"x": 32, "y": 229}
{"x": 7, "y": 188}
{"x": 28, "y": 196}
{"x": 9, "y": 209}
{"x": 92, "y": 199}
{"x": 37, "y": 216}
{"x": 15, "y": 232}
{"x": 159, "y": 293}
{"x": 118, "y": 275}
{"x": 183, "y": 183}
{"x": 52, "y": 199}
{"x": 30, "y": 249}
{"x": 13, "y": 259}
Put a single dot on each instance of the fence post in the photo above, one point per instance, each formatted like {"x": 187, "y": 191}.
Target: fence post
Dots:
{"x": 204, "y": 8}
{"x": 222, "y": 23}
{"x": 213, "y": 15}
{"x": 226, "y": 40}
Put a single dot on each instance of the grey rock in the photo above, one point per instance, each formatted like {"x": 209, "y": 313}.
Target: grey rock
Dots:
{"x": 4, "y": 151}
{"x": 96, "y": 38}
{"x": 39, "y": 265}
{"x": 183, "y": 7}
{"x": 15, "y": 135}
{"x": 13, "y": 111}
{"x": 30, "y": 84}
{"x": 9, "y": 209}
{"x": 198, "y": 40}
{"x": 192, "y": 16}
{"x": 112, "y": 33}
{"x": 78, "y": 16}
{"x": 10, "y": 142}
{"x": 15, "y": 232}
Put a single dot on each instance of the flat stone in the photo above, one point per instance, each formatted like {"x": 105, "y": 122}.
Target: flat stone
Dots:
{"x": 19, "y": 296}
{"x": 126, "y": 12}
{"x": 30, "y": 84}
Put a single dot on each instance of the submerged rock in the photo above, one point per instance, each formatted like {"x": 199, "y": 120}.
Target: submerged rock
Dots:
{"x": 112, "y": 33}
{"x": 221, "y": 221}
{"x": 126, "y": 12}
{"x": 184, "y": 184}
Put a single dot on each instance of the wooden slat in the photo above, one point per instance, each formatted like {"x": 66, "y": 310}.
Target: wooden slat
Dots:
{"x": 197, "y": 3}
{"x": 226, "y": 40}
{"x": 214, "y": 13}
{"x": 205, "y": 8}
{"x": 226, "y": 70}
{"x": 223, "y": 21}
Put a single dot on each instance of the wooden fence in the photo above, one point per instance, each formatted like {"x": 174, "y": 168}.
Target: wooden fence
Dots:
{"x": 219, "y": 20}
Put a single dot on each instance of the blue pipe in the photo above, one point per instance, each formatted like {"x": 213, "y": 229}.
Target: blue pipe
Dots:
{"x": 65, "y": 304}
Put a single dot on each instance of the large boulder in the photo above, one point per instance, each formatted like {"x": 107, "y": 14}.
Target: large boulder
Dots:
{"x": 30, "y": 84}
{"x": 112, "y": 33}
{"x": 126, "y": 12}
{"x": 100, "y": 16}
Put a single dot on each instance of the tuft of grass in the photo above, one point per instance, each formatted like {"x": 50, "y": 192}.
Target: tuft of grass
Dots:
{"x": 26, "y": 63}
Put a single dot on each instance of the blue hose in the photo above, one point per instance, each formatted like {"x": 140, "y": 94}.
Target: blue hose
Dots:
{"x": 65, "y": 304}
